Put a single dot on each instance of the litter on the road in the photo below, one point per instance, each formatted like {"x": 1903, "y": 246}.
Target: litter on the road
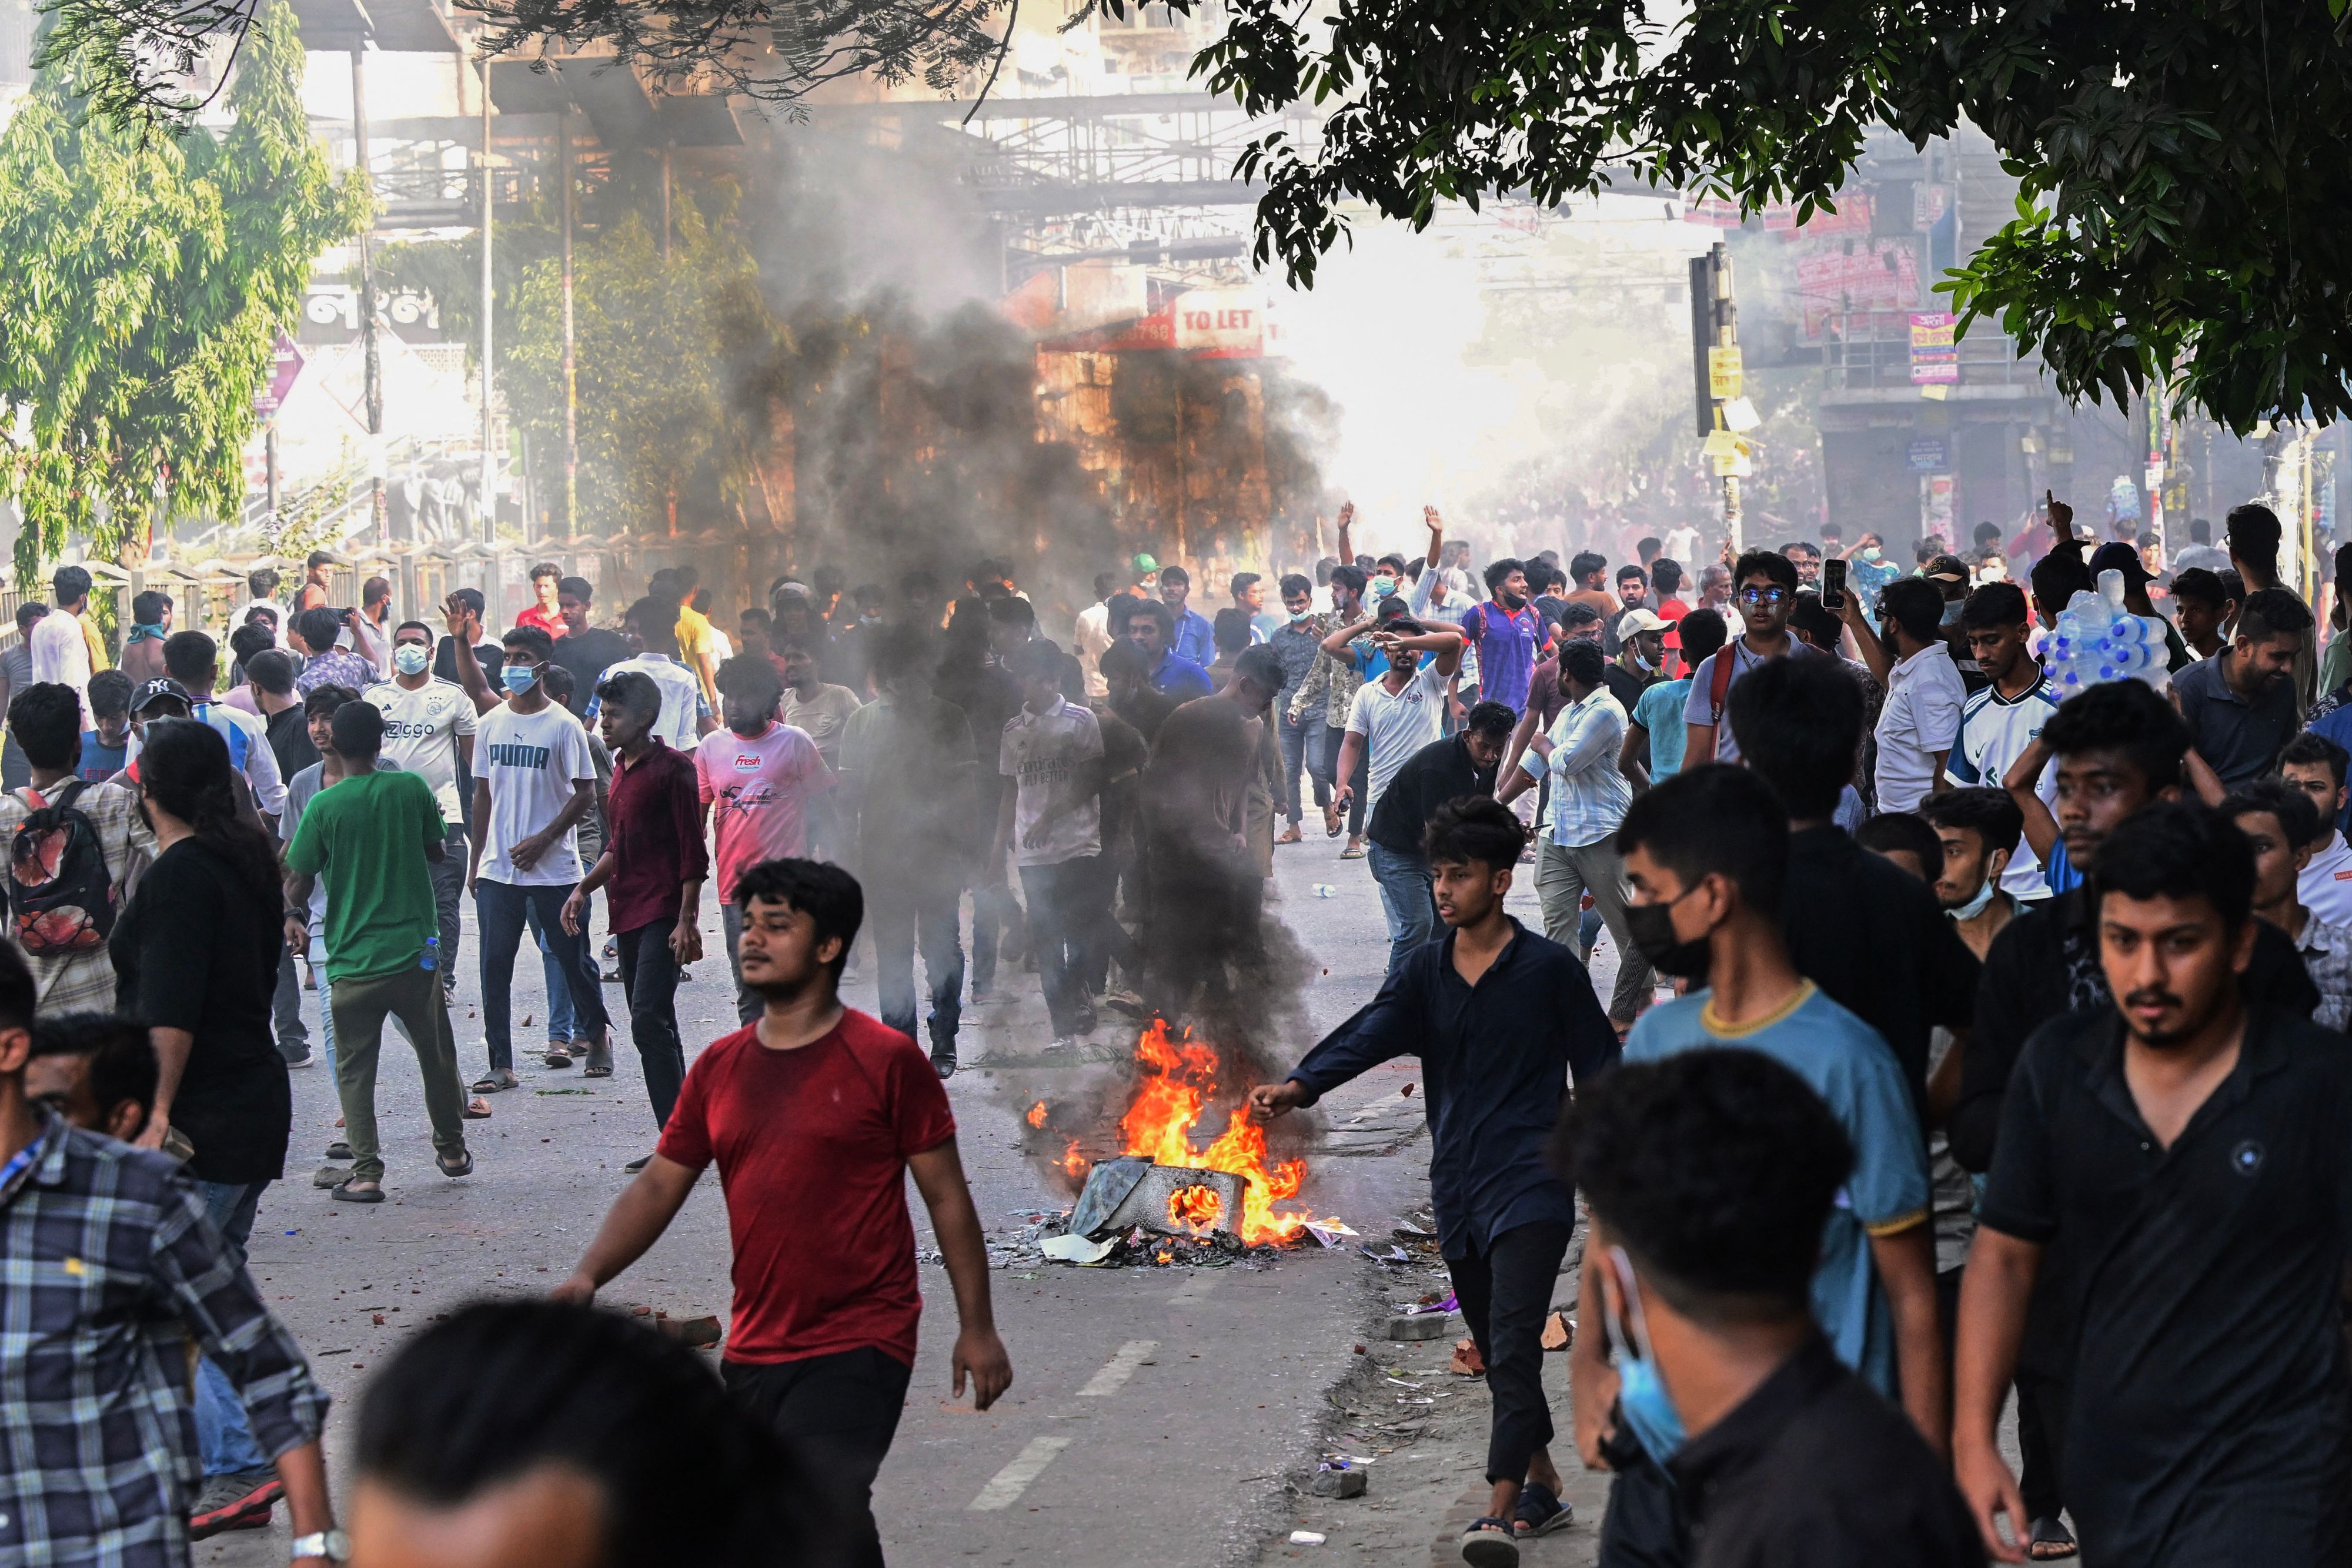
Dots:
{"x": 1338, "y": 1483}
{"x": 1078, "y": 1249}
{"x": 1394, "y": 1255}
{"x": 1419, "y": 1326}
{"x": 1304, "y": 1538}
{"x": 1559, "y": 1331}
{"x": 1331, "y": 1232}
{"x": 1467, "y": 1361}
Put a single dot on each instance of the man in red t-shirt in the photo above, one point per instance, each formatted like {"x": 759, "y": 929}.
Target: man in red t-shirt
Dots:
{"x": 546, "y": 611}
{"x": 818, "y": 1099}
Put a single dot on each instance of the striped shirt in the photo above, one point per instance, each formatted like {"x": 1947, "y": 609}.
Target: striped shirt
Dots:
{"x": 1994, "y": 733}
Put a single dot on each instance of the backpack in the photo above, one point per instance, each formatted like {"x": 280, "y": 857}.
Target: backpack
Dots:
{"x": 1724, "y": 670}
{"x": 60, "y": 892}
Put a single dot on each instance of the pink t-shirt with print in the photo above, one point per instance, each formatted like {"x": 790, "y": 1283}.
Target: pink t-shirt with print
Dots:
{"x": 758, "y": 792}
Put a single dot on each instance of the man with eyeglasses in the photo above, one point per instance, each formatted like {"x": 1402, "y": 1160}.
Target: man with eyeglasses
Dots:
{"x": 1764, "y": 592}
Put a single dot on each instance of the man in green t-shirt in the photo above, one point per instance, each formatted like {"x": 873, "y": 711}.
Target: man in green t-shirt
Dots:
{"x": 375, "y": 834}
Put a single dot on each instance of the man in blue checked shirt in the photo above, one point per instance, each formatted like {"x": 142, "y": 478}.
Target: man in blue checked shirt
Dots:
{"x": 109, "y": 1267}
{"x": 1191, "y": 637}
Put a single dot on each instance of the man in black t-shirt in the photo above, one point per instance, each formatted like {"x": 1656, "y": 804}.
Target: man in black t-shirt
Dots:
{"x": 2165, "y": 1229}
{"x": 584, "y": 650}
{"x": 1443, "y": 771}
{"x": 1709, "y": 1177}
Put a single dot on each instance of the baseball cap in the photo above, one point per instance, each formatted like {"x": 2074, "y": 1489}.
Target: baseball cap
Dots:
{"x": 1145, "y": 564}
{"x": 2119, "y": 555}
{"x": 1947, "y": 569}
{"x": 159, "y": 687}
{"x": 1633, "y": 623}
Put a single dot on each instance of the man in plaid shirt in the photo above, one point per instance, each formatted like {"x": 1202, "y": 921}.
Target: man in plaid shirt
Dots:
{"x": 109, "y": 1267}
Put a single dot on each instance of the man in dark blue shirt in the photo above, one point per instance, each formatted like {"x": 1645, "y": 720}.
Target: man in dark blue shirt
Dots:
{"x": 1502, "y": 1021}
{"x": 1149, "y": 626}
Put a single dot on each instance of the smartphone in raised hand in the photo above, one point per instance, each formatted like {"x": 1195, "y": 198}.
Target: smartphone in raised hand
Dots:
{"x": 1833, "y": 583}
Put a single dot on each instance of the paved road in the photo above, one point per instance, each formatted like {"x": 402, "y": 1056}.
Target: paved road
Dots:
{"x": 1158, "y": 1417}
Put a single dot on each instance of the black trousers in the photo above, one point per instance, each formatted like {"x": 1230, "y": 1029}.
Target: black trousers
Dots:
{"x": 835, "y": 1415}
{"x": 649, "y": 979}
{"x": 1642, "y": 1526}
{"x": 1505, "y": 1291}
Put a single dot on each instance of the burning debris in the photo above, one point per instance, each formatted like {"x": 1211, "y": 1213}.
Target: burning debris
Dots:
{"x": 1162, "y": 1185}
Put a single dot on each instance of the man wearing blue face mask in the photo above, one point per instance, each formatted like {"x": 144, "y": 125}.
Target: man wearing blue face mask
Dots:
{"x": 1708, "y": 855}
{"x": 429, "y": 730}
{"x": 533, "y": 781}
{"x": 1709, "y": 1178}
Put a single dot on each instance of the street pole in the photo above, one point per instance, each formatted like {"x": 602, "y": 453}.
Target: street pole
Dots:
{"x": 1727, "y": 327}
{"x": 666, "y": 149}
{"x": 489, "y": 460}
{"x": 374, "y": 363}
{"x": 571, "y": 366}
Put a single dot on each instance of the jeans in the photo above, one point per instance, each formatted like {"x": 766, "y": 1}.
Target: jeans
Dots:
{"x": 449, "y": 885}
{"x": 498, "y": 908}
{"x": 903, "y": 918}
{"x": 836, "y": 1416}
{"x": 649, "y": 979}
{"x": 326, "y": 1001}
{"x": 1504, "y": 1290}
{"x": 1333, "y": 737}
{"x": 222, "y": 1435}
{"x": 749, "y": 1004}
{"x": 286, "y": 1010}
{"x": 414, "y": 997}
{"x": 560, "y": 1020}
{"x": 1294, "y": 755}
{"x": 1061, "y": 915}
{"x": 1405, "y": 899}
{"x": 1564, "y": 875}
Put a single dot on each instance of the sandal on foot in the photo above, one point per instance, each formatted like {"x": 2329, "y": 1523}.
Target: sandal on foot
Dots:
{"x": 476, "y": 1110}
{"x": 600, "y": 1060}
{"x": 1352, "y": 852}
{"x": 339, "y": 1150}
{"x": 492, "y": 1081}
{"x": 2049, "y": 1541}
{"x": 466, "y": 1168}
{"x": 558, "y": 1053}
{"x": 1292, "y": 837}
{"x": 1489, "y": 1543}
{"x": 347, "y": 1193}
{"x": 1541, "y": 1511}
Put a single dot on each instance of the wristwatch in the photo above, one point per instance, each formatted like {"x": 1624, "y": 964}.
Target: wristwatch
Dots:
{"x": 331, "y": 1544}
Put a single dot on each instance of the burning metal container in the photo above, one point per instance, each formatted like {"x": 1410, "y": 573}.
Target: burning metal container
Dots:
{"x": 1167, "y": 1200}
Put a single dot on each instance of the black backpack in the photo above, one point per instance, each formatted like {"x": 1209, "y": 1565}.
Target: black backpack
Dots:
{"x": 60, "y": 894}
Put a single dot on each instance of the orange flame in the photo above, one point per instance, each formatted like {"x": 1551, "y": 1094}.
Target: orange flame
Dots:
{"x": 1074, "y": 1163}
{"x": 1194, "y": 1208}
{"x": 1179, "y": 1080}
{"x": 1038, "y": 1115}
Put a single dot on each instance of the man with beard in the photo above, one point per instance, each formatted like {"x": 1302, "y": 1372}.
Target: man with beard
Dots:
{"x": 1127, "y": 676}
{"x": 2241, "y": 706}
{"x": 1205, "y": 886}
{"x": 2170, "y": 1204}
{"x": 1504, "y": 633}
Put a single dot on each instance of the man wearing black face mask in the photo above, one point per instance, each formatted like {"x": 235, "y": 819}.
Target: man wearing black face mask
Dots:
{"x": 1707, "y": 853}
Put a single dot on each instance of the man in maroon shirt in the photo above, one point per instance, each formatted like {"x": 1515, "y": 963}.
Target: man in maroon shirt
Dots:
{"x": 814, "y": 1113}
{"x": 654, "y": 865}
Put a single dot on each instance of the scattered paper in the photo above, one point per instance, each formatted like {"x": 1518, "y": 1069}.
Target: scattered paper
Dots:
{"x": 1331, "y": 1232}
{"x": 1077, "y": 1249}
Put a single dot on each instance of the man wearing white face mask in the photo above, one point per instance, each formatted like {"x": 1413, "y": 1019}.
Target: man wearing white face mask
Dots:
{"x": 1711, "y": 1179}
{"x": 535, "y": 781}
{"x": 429, "y": 730}
{"x": 1640, "y": 656}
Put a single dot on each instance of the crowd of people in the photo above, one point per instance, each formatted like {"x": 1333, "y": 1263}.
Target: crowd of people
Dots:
{"x": 1968, "y": 1036}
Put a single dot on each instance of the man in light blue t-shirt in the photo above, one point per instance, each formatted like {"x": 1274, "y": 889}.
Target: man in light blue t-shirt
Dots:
{"x": 1706, "y": 855}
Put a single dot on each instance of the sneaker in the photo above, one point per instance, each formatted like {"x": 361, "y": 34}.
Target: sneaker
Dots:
{"x": 1062, "y": 1042}
{"x": 305, "y": 1060}
{"x": 234, "y": 1502}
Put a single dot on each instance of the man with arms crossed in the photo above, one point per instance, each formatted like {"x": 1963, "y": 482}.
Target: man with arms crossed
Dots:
{"x": 816, "y": 1097}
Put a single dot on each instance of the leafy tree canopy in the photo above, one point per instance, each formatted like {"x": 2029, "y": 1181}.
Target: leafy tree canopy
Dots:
{"x": 2184, "y": 167}
{"x": 144, "y": 281}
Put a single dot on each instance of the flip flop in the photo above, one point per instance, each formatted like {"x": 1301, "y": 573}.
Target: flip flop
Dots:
{"x": 558, "y": 1055}
{"x": 339, "y": 1150}
{"x": 600, "y": 1061}
{"x": 1355, "y": 853}
{"x": 1541, "y": 1511}
{"x": 1489, "y": 1543}
{"x": 347, "y": 1194}
{"x": 453, "y": 1173}
{"x": 476, "y": 1110}
{"x": 2054, "y": 1534}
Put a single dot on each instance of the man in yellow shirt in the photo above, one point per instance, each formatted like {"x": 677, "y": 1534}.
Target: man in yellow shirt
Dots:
{"x": 695, "y": 648}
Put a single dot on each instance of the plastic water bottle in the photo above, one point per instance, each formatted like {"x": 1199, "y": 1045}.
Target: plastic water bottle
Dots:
{"x": 432, "y": 958}
{"x": 1325, "y": 890}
